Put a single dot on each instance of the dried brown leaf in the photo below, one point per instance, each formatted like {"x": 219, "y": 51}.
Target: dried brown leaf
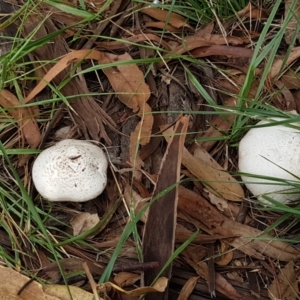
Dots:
{"x": 222, "y": 285}
{"x": 84, "y": 222}
{"x": 140, "y": 135}
{"x": 289, "y": 101}
{"x": 263, "y": 245}
{"x": 129, "y": 84}
{"x": 195, "y": 253}
{"x": 212, "y": 175}
{"x": 205, "y": 172}
{"x": 142, "y": 132}
{"x": 226, "y": 256}
{"x": 62, "y": 64}
{"x": 250, "y": 241}
{"x": 166, "y": 16}
{"x": 155, "y": 140}
{"x": 215, "y": 39}
{"x": 11, "y": 283}
{"x": 126, "y": 278}
{"x": 127, "y": 81}
{"x": 205, "y": 29}
{"x": 223, "y": 183}
{"x": 222, "y": 50}
{"x": 86, "y": 112}
{"x": 293, "y": 23}
{"x": 219, "y": 202}
{"x": 159, "y": 286}
{"x": 183, "y": 234}
{"x": 26, "y": 120}
{"x": 281, "y": 64}
{"x": 185, "y": 47}
{"x": 291, "y": 79}
{"x": 207, "y": 45}
{"x": 188, "y": 288}
{"x": 62, "y": 292}
{"x": 252, "y": 12}
{"x": 235, "y": 276}
{"x": 285, "y": 284}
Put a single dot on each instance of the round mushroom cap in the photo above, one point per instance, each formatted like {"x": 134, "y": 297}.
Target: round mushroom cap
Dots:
{"x": 71, "y": 170}
{"x": 274, "y": 152}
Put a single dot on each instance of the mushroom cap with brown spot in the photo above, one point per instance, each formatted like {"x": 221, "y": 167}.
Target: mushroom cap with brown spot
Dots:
{"x": 71, "y": 170}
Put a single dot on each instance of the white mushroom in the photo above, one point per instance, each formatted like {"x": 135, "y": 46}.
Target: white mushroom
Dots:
{"x": 272, "y": 151}
{"x": 71, "y": 170}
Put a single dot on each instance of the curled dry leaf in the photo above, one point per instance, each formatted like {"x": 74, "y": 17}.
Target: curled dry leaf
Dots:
{"x": 285, "y": 284}
{"x": 126, "y": 278}
{"x": 219, "y": 202}
{"x": 205, "y": 29}
{"x": 187, "y": 47}
{"x": 183, "y": 234}
{"x": 159, "y": 286}
{"x": 188, "y": 288}
{"x": 84, "y": 222}
{"x": 142, "y": 132}
{"x": 226, "y": 256}
{"x": 25, "y": 117}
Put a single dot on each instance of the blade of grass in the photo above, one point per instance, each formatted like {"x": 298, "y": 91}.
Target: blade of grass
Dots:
{"x": 32, "y": 210}
{"x": 129, "y": 228}
{"x": 176, "y": 254}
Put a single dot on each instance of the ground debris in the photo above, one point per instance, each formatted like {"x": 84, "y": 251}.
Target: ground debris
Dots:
{"x": 168, "y": 95}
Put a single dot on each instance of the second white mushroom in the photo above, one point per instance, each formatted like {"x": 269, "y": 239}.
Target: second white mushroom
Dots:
{"x": 272, "y": 151}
